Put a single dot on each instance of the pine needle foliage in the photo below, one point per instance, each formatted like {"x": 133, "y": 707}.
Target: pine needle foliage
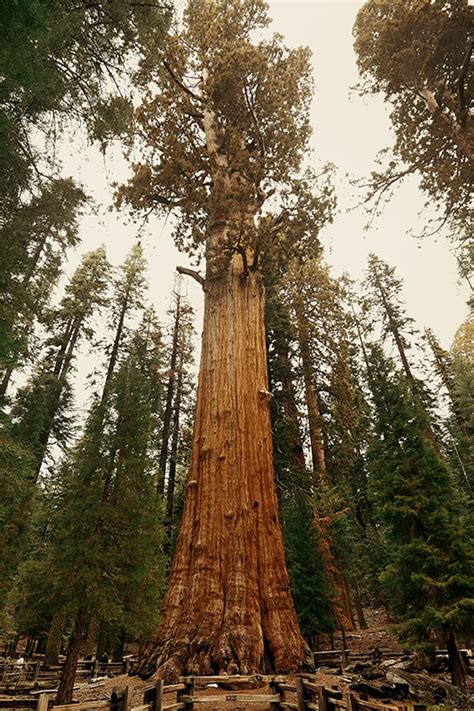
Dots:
{"x": 310, "y": 587}
{"x": 428, "y": 580}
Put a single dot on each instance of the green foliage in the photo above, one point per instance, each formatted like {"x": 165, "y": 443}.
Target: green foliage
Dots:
{"x": 232, "y": 129}
{"x": 106, "y": 531}
{"x": 309, "y": 584}
{"x": 16, "y": 474}
{"x": 417, "y": 54}
{"x": 35, "y": 238}
{"x": 59, "y": 59}
{"x": 428, "y": 580}
{"x": 40, "y": 408}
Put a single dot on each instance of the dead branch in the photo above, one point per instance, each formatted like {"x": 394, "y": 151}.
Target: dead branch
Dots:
{"x": 195, "y": 275}
{"x": 462, "y": 78}
{"x": 255, "y": 120}
{"x": 177, "y": 81}
{"x": 245, "y": 265}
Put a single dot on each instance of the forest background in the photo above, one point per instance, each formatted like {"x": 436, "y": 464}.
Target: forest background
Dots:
{"x": 102, "y": 492}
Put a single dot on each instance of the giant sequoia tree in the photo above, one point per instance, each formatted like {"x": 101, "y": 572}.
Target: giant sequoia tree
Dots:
{"x": 225, "y": 131}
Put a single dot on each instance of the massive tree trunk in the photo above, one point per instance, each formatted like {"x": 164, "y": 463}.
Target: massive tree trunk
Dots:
{"x": 228, "y": 607}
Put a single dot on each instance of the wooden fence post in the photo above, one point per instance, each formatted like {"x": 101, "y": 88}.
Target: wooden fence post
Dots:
{"x": 351, "y": 702}
{"x": 322, "y": 699}
{"x": 274, "y": 689}
{"x": 5, "y": 672}
{"x": 300, "y": 700}
{"x": 187, "y": 691}
{"x": 43, "y": 702}
{"x": 159, "y": 695}
{"x": 127, "y": 699}
{"x": 154, "y": 696}
{"x": 37, "y": 671}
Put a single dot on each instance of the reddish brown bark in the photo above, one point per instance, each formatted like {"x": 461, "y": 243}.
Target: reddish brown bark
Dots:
{"x": 228, "y": 607}
{"x": 68, "y": 676}
{"x": 342, "y": 607}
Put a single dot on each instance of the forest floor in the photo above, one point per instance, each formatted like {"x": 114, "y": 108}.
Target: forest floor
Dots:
{"x": 377, "y": 635}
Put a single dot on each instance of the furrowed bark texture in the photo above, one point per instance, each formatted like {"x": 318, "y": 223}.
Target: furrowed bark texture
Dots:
{"x": 228, "y": 607}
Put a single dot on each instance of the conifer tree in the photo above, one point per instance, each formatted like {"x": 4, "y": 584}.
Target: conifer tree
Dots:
{"x": 309, "y": 580}
{"x": 107, "y": 532}
{"x": 428, "y": 580}
{"x": 382, "y": 298}
{"x": 178, "y": 359}
{"x": 456, "y": 374}
{"x": 183, "y": 401}
{"x": 41, "y": 408}
{"x": 35, "y": 239}
{"x": 232, "y": 129}
{"x": 40, "y": 405}
{"x": 418, "y": 54}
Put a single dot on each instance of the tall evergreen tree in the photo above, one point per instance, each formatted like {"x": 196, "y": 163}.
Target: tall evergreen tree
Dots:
{"x": 232, "y": 131}
{"x": 35, "y": 239}
{"x": 428, "y": 580}
{"x": 309, "y": 579}
{"x": 41, "y": 409}
{"x": 108, "y": 527}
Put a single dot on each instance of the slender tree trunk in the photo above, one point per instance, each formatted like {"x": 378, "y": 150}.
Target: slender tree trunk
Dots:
{"x": 314, "y": 417}
{"x": 169, "y": 401}
{"x": 359, "y": 608}
{"x": 456, "y": 664}
{"x": 342, "y": 608}
{"x": 174, "y": 454}
{"x": 228, "y": 607}
{"x": 53, "y": 646}
{"x": 118, "y": 645}
{"x": 29, "y": 320}
{"x": 66, "y": 685}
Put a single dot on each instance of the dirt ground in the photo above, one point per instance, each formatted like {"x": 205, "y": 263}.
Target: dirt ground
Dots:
{"x": 359, "y": 641}
{"x": 378, "y": 635}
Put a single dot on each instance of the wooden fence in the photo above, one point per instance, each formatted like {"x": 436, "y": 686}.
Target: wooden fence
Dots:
{"x": 37, "y": 671}
{"x": 302, "y": 693}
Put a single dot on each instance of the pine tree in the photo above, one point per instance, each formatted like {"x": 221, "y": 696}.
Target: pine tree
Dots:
{"x": 35, "y": 239}
{"x": 309, "y": 581}
{"x": 456, "y": 374}
{"x": 428, "y": 580}
{"x": 42, "y": 406}
{"x": 108, "y": 526}
{"x": 39, "y": 408}
{"x": 182, "y": 406}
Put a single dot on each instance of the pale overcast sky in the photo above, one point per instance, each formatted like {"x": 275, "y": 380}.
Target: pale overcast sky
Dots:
{"x": 348, "y": 131}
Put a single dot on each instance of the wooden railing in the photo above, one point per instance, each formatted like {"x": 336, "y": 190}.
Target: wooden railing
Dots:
{"x": 303, "y": 693}
{"x": 38, "y": 671}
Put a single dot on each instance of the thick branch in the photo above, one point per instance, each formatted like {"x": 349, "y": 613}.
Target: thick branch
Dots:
{"x": 245, "y": 266}
{"x": 462, "y": 78}
{"x": 255, "y": 120}
{"x": 431, "y": 102}
{"x": 177, "y": 81}
{"x": 195, "y": 275}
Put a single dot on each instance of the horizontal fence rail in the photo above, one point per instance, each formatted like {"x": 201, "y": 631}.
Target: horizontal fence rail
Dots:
{"x": 302, "y": 693}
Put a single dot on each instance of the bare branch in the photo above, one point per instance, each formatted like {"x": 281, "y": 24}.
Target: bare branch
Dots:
{"x": 255, "y": 120}
{"x": 462, "y": 78}
{"x": 179, "y": 82}
{"x": 195, "y": 275}
{"x": 245, "y": 266}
